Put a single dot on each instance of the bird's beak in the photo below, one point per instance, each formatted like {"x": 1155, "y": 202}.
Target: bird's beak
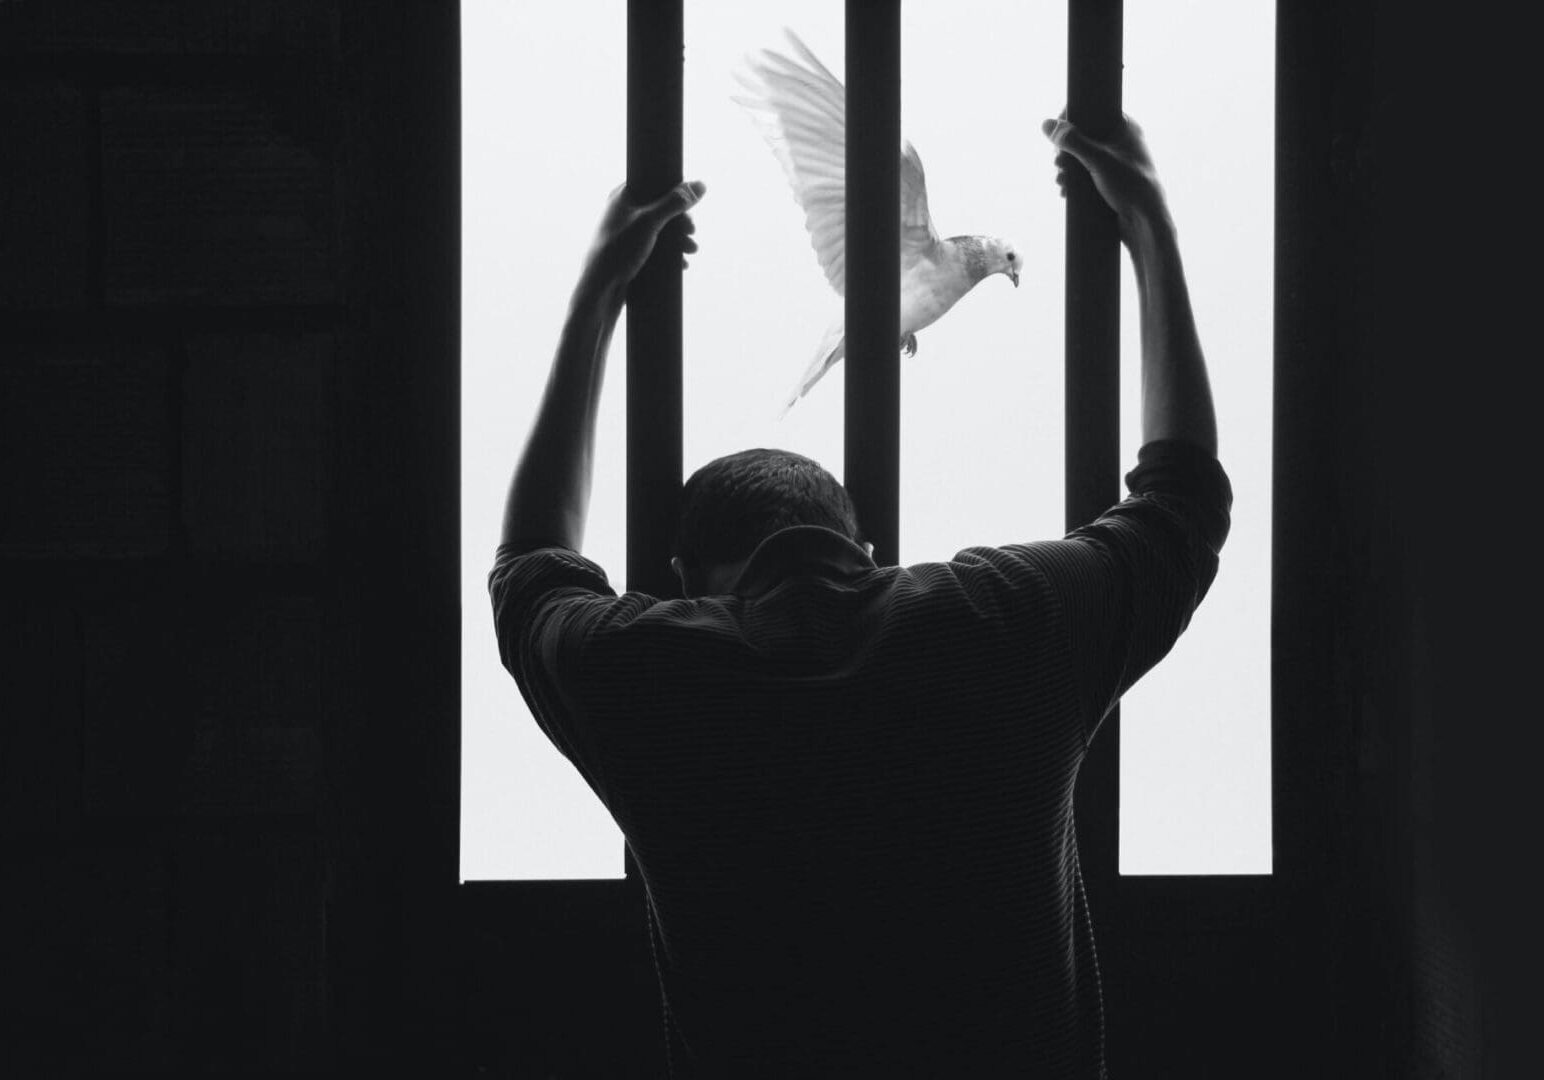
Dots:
{"x": 1013, "y": 276}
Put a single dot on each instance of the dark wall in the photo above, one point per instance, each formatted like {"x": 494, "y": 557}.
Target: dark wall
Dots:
{"x": 228, "y": 556}
{"x": 227, "y": 389}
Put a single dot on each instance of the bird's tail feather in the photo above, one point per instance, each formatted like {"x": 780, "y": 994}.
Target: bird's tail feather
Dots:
{"x": 825, "y": 358}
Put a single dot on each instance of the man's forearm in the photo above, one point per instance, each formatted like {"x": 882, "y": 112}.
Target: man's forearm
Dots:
{"x": 549, "y": 494}
{"x": 1176, "y": 392}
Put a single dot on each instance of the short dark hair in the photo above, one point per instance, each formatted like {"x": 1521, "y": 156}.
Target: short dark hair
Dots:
{"x": 733, "y": 503}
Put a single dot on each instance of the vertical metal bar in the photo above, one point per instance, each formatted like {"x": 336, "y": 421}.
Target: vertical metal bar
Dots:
{"x": 872, "y": 422}
{"x": 656, "y": 51}
{"x": 1093, "y": 270}
{"x": 1094, "y": 32}
{"x": 655, "y": 58}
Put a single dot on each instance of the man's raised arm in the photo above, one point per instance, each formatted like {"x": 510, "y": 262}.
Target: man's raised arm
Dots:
{"x": 1176, "y": 394}
{"x": 549, "y": 495}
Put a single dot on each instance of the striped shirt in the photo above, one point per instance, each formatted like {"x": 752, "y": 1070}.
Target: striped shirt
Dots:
{"x": 848, "y": 788}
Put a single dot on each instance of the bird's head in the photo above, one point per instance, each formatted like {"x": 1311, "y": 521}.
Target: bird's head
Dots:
{"x": 1003, "y": 258}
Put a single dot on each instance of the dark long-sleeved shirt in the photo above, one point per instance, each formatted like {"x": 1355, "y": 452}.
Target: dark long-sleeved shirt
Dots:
{"x": 848, "y": 788}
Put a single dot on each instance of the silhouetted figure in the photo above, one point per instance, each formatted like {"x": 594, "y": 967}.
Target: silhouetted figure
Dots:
{"x": 848, "y": 788}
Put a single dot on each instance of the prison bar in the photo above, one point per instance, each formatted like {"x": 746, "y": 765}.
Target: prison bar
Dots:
{"x": 656, "y": 52}
{"x": 655, "y": 59}
{"x": 872, "y": 400}
{"x": 1092, "y": 347}
{"x": 1093, "y": 270}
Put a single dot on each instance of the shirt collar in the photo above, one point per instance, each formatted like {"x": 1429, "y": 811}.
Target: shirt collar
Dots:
{"x": 800, "y": 551}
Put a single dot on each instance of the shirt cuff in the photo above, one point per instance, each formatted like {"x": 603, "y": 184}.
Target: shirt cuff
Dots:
{"x": 524, "y": 547}
{"x": 1176, "y": 467}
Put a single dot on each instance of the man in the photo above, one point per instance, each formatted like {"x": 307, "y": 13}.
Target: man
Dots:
{"x": 848, "y": 788}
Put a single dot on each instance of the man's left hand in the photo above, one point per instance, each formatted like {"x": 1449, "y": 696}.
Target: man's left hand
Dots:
{"x": 629, "y": 231}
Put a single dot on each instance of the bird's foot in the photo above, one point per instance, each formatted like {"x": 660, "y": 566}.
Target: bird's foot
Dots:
{"x": 909, "y": 344}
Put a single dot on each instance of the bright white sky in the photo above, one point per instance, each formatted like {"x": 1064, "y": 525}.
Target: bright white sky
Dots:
{"x": 543, "y": 106}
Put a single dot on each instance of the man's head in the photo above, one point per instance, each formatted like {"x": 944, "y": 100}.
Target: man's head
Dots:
{"x": 733, "y": 503}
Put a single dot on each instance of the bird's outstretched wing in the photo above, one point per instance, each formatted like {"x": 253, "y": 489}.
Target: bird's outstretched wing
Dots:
{"x": 918, "y": 237}
{"x": 801, "y": 109}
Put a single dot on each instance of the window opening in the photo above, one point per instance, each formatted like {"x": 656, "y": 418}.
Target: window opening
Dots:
{"x": 1194, "y": 771}
{"x": 1195, "y": 762}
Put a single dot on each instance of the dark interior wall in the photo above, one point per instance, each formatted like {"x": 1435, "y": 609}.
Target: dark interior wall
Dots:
{"x": 227, "y": 390}
{"x": 228, "y": 560}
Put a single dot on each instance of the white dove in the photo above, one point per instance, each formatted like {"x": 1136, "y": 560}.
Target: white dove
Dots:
{"x": 802, "y": 112}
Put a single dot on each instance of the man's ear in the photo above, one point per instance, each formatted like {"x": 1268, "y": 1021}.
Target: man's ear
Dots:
{"x": 869, "y": 548}
{"x": 680, "y": 572}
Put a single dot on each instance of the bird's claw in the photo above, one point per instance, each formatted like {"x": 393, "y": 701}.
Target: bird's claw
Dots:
{"x": 909, "y": 344}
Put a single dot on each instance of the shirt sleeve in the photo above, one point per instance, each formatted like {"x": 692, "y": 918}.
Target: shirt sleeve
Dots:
{"x": 546, "y": 601}
{"x": 1126, "y": 585}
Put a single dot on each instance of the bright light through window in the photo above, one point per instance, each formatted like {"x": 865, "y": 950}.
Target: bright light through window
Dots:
{"x": 543, "y": 138}
{"x": 1195, "y": 771}
{"x": 543, "y": 106}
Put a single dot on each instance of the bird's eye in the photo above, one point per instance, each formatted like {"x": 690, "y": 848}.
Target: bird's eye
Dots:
{"x": 1010, "y": 256}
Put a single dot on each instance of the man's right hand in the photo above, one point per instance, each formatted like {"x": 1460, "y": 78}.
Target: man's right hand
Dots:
{"x": 1122, "y": 171}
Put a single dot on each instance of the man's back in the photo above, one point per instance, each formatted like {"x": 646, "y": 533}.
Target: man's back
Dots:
{"x": 849, "y": 789}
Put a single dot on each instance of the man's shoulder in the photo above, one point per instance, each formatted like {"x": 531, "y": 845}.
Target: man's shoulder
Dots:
{"x": 524, "y": 566}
